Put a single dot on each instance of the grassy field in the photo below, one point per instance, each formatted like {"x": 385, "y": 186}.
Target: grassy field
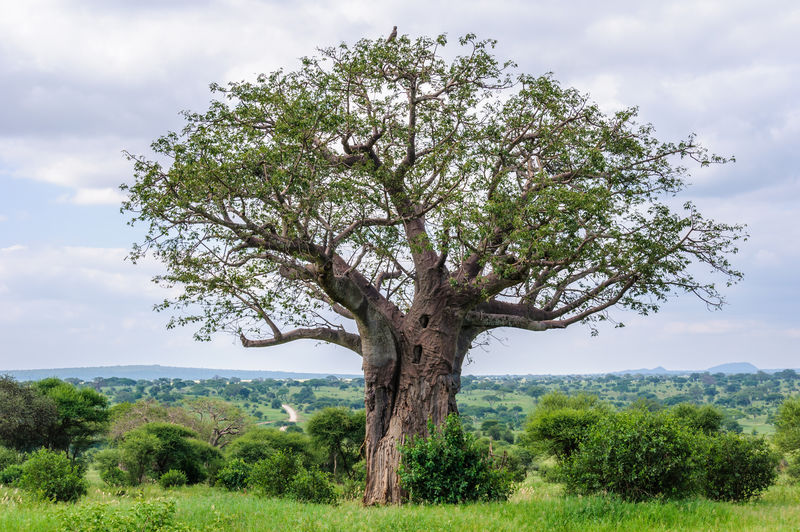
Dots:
{"x": 536, "y": 506}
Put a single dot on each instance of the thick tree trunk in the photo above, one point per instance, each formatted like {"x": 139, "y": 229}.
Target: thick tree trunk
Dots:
{"x": 413, "y": 379}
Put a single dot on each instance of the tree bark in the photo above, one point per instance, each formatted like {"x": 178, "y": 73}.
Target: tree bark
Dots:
{"x": 413, "y": 379}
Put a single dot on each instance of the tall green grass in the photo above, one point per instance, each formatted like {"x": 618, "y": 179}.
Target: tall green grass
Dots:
{"x": 537, "y": 506}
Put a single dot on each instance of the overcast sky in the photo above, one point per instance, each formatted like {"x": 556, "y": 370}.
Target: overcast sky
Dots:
{"x": 84, "y": 80}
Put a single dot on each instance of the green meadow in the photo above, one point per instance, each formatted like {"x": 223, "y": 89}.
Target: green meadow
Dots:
{"x": 537, "y": 505}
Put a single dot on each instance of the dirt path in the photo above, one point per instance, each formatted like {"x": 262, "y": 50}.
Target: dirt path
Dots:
{"x": 292, "y": 415}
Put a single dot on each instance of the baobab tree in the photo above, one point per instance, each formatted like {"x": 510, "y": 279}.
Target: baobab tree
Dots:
{"x": 399, "y": 204}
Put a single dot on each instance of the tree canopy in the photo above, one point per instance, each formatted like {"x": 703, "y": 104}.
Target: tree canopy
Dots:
{"x": 351, "y": 178}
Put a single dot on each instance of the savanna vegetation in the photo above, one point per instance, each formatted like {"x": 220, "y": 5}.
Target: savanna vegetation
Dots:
{"x": 564, "y": 452}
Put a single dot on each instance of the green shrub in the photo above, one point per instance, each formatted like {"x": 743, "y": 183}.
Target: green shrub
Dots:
{"x": 637, "y": 455}
{"x": 737, "y": 468}
{"x": 235, "y": 475}
{"x": 560, "y": 423}
{"x": 258, "y": 444}
{"x": 11, "y": 474}
{"x": 352, "y": 487}
{"x": 448, "y": 467}
{"x": 138, "y": 453}
{"x": 114, "y": 476}
{"x": 706, "y": 419}
{"x": 10, "y": 457}
{"x": 272, "y": 476}
{"x": 107, "y": 463}
{"x": 793, "y": 465}
{"x": 50, "y": 475}
{"x": 787, "y": 425}
{"x": 144, "y": 516}
{"x": 312, "y": 486}
{"x": 172, "y": 479}
{"x": 155, "y": 448}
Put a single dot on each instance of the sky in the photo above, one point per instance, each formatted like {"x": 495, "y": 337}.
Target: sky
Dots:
{"x": 83, "y": 80}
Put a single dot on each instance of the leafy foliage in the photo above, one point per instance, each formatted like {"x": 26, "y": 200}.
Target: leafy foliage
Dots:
{"x": 9, "y": 457}
{"x": 737, "y": 468}
{"x": 25, "y": 415}
{"x": 341, "y": 433}
{"x": 787, "y": 425}
{"x": 636, "y": 455}
{"x": 235, "y": 475}
{"x": 448, "y": 467}
{"x": 172, "y": 479}
{"x": 143, "y": 516}
{"x": 312, "y": 485}
{"x": 258, "y": 444}
{"x": 706, "y": 419}
{"x": 272, "y": 475}
{"x": 369, "y": 156}
{"x": 560, "y": 423}
{"x": 10, "y": 474}
{"x": 50, "y": 475}
{"x": 82, "y": 416}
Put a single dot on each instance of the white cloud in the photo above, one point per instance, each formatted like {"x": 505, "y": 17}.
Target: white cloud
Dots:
{"x": 94, "y": 196}
{"x": 68, "y": 162}
{"x": 77, "y": 274}
{"x": 3, "y": 218}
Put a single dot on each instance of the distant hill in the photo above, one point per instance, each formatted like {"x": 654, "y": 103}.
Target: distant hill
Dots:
{"x": 158, "y": 372}
{"x": 729, "y": 369}
{"x": 736, "y": 367}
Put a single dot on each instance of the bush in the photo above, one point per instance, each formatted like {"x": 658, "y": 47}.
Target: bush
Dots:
{"x": 271, "y": 476}
{"x": 738, "y": 468}
{"x": 636, "y": 455}
{"x": 706, "y": 419}
{"x": 139, "y": 517}
{"x": 312, "y": 486}
{"x": 50, "y": 475}
{"x": 561, "y": 422}
{"x": 448, "y": 467}
{"x": 352, "y": 487}
{"x": 787, "y": 425}
{"x": 9, "y": 457}
{"x": 114, "y": 476}
{"x": 172, "y": 479}
{"x": 10, "y": 475}
{"x": 235, "y": 475}
{"x": 793, "y": 466}
{"x": 155, "y": 448}
{"x": 258, "y": 444}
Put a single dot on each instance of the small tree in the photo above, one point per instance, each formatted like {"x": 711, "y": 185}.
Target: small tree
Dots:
{"x": 222, "y": 420}
{"x": 25, "y": 415}
{"x": 787, "y": 433}
{"x": 449, "y": 467}
{"x": 341, "y": 433}
{"x": 82, "y": 416}
{"x": 139, "y": 452}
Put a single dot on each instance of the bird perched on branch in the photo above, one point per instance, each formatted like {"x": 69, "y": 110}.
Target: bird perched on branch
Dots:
{"x": 392, "y": 35}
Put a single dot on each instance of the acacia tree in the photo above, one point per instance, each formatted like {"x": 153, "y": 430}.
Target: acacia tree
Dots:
{"x": 397, "y": 203}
